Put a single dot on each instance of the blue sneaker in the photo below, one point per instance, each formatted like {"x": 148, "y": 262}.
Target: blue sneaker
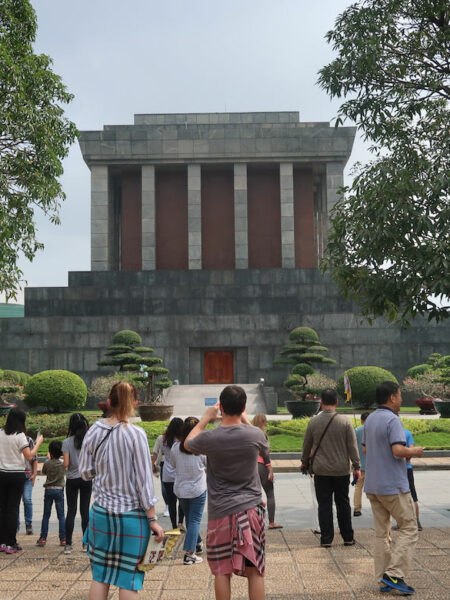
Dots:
{"x": 396, "y": 583}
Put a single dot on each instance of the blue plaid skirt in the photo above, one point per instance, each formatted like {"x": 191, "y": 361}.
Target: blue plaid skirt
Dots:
{"x": 116, "y": 545}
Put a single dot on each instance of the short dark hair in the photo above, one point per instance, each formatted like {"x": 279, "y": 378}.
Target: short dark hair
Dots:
{"x": 233, "y": 400}
{"x": 385, "y": 390}
{"x": 329, "y": 397}
{"x": 15, "y": 421}
{"x": 364, "y": 416}
{"x": 55, "y": 449}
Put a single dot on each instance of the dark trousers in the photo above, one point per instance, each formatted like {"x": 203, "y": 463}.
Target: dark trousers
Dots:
{"x": 73, "y": 488}
{"x": 11, "y": 490}
{"x": 172, "y": 504}
{"x": 326, "y": 486}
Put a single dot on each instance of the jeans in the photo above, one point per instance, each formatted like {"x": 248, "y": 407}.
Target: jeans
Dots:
{"x": 11, "y": 490}
{"x": 27, "y": 503}
{"x": 73, "y": 487}
{"x": 193, "y": 511}
{"x": 326, "y": 486}
{"x": 56, "y": 496}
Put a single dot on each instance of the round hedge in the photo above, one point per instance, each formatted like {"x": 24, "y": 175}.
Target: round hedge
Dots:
{"x": 418, "y": 370}
{"x": 56, "y": 390}
{"x": 127, "y": 337}
{"x": 364, "y": 381}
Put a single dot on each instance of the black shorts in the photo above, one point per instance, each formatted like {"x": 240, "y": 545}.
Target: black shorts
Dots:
{"x": 412, "y": 487}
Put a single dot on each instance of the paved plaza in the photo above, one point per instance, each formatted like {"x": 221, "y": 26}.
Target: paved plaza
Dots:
{"x": 297, "y": 568}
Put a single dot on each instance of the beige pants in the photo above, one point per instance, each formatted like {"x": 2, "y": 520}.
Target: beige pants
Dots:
{"x": 359, "y": 486}
{"x": 393, "y": 557}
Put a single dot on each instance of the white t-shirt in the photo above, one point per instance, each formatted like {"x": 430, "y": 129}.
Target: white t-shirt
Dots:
{"x": 11, "y": 457}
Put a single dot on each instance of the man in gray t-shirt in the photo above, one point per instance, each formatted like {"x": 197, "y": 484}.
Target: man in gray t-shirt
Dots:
{"x": 235, "y": 540}
{"x": 387, "y": 488}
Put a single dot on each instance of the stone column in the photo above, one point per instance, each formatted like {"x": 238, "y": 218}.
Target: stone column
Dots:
{"x": 240, "y": 216}
{"x": 335, "y": 180}
{"x": 287, "y": 215}
{"x": 195, "y": 216}
{"x": 148, "y": 218}
{"x": 100, "y": 214}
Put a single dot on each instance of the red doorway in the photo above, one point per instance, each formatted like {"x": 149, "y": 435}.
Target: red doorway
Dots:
{"x": 218, "y": 367}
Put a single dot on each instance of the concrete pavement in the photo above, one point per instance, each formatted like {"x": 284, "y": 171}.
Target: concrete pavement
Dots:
{"x": 297, "y": 568}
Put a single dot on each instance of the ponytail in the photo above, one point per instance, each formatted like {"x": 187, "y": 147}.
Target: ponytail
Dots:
{"x": 122, "y": 398}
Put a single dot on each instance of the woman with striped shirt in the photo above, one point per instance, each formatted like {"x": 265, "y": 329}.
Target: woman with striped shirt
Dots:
{"x": 115, "y": 454}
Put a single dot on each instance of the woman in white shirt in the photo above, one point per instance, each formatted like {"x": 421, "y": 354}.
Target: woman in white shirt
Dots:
{"x": 14, "y": 452}
{"x": 115, "y": 454}
{"x": 190, "y": 487}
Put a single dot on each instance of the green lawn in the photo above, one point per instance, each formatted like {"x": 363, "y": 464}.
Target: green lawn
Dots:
{"x": 433, "y": 440}
{"x": 284, "y": 442}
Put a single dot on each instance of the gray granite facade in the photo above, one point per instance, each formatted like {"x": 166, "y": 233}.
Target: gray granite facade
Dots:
{"x": 183, "y": 313}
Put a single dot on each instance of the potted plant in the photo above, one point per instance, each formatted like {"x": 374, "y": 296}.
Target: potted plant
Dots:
{"x": 303, "y": 350}
{"x": 136, "y": 363}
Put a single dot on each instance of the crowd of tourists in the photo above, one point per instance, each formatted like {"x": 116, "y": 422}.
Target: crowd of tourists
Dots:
{"x": 229, "y": 466}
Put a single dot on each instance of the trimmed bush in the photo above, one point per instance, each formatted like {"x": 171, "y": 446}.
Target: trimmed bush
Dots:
{"x": 299, "y": 353}
{"x": 56, "y": 390}
{"x": 444, "y": 362}
{"x": 17, "y": 377}
{"x": 418, "y": 370}
{"x": 364, "y": 381}
{"x": 126, "y": 337}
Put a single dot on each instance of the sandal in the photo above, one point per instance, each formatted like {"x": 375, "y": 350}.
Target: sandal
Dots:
{"x": 275, "y": 526}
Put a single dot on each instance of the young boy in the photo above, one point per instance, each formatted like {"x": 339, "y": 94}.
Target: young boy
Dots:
{"x": 54, "y": 492}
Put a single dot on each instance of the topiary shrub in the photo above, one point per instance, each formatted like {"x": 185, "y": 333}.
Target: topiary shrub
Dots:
{"x": 17, "y": 377}
{"x": 56, "y": 390}
{"x": 305, "y": 348}
{"x": 364, "y": 381}
{"x": 126, "y": 337}
{"x": 418, "y": 370}
{"x": 136, "y": 364}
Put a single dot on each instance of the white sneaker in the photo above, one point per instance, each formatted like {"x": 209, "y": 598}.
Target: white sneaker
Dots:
{"x": 166, "y": 512}
{"x": 68, "y": 549}
{"x": 192, "y": 559}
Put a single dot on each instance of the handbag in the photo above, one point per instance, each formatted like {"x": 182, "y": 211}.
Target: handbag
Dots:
{"x": 311, "y": 458}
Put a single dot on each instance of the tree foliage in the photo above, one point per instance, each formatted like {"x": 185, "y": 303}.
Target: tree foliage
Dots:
{"x": 389, "y": 247}
{"x": 34, "y": 138}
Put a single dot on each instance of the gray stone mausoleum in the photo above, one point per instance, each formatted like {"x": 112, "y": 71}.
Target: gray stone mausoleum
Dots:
{"x": 206, "y": 231}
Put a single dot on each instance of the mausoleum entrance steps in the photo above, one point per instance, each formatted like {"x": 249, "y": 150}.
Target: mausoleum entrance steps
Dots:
{"x": 189, "y": 400}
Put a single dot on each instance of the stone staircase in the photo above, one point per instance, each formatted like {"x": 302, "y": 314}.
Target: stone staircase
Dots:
{"x": 189, "y": 400}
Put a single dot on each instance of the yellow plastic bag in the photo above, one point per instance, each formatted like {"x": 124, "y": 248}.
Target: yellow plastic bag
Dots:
{"x": 156, "y": 551}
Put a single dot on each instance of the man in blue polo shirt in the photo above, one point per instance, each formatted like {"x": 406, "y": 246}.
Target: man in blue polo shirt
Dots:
{"x": 387, "y": 488}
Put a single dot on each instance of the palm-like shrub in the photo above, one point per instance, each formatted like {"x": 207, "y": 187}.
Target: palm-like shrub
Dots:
{"x": 127, "y": 354}
{"x": 302, "y": 352}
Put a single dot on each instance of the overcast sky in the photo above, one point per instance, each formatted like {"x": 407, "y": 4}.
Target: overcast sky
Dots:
{"x": 120, "y": 58}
